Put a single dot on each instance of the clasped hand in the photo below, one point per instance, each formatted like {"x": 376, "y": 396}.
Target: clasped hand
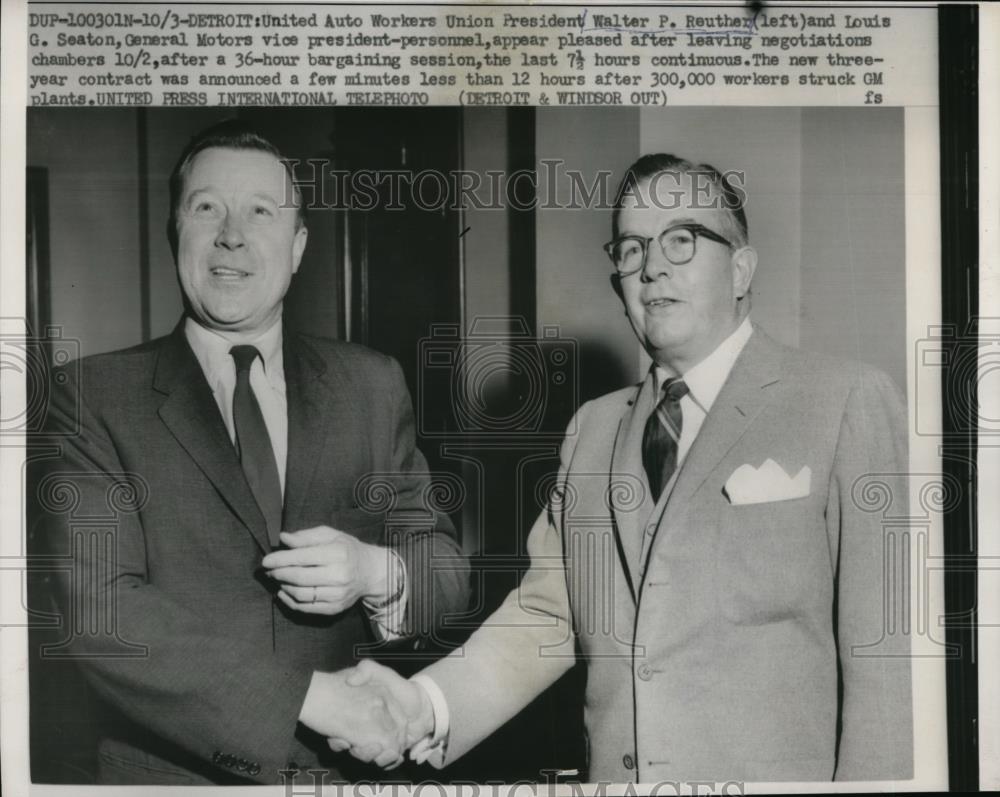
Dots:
{"x": 370, "y": 711}
{"x": 325, "y": 571}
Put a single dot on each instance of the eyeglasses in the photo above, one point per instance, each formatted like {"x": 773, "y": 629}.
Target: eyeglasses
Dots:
{"x": 678, "y": 244}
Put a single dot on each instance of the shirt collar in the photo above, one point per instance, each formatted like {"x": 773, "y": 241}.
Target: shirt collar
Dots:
{"x": 212, "y": 351}
{"x": 705, "y": 379}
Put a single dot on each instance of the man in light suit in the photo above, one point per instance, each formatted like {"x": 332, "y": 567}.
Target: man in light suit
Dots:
{"x": 705, "y": 544}
{"x": 200, "y": 453}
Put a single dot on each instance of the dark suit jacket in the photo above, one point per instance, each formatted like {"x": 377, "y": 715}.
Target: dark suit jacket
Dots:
{"x": 165, "y": 605}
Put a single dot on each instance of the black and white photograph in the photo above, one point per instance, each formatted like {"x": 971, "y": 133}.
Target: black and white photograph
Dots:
{"x": 599, "y": 440}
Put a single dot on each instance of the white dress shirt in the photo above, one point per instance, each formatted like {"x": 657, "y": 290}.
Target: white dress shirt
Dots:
{"x": 704, "y": 382}
{"x": 267, "y": 380}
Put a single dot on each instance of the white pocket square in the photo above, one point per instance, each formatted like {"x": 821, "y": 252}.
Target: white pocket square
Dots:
{"x": 769, "y": 482}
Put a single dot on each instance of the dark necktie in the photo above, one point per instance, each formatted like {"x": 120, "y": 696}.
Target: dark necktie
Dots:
{"x": 662, "y": 434}
{"x": 253, "y": 444}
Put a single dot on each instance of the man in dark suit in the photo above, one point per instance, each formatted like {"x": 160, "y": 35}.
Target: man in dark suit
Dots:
{"x": 709, "y": 547}
{"x": 196, "y": 453}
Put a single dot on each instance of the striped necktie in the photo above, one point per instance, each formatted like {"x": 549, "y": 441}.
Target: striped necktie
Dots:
{"x": 661, "y": 436}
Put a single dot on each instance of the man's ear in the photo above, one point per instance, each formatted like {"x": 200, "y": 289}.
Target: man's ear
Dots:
{"x": 616, "y": 285}
{"x": 744, "y": 266}
{"x": 299, "y": 246}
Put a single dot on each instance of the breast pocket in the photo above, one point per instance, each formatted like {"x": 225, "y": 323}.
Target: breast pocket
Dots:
{"x": 772, "y": 560}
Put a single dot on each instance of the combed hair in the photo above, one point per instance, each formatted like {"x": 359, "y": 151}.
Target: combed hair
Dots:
{"x": 229, "y": 134}
{"x": 652, "y": 165}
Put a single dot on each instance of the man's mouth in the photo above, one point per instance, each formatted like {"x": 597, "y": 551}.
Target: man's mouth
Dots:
{"x": 226, "y": 272}
{"x": 664, "y": 302}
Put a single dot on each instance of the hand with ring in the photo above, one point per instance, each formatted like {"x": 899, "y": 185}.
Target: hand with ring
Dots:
{"x": 326, "y": 571}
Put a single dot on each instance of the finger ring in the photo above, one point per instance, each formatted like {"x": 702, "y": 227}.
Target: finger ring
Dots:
{"x": 314, "y": 595}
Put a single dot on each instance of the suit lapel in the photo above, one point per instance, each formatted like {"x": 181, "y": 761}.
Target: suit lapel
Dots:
{"x": 190, "y": 413}
{"x": 744, "y": 394}
{"x": 318, "y": 402}
{"x": 626, "y": 463}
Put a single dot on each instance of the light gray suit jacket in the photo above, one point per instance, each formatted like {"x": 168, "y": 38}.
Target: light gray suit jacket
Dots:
{"x": 754, "y": 645}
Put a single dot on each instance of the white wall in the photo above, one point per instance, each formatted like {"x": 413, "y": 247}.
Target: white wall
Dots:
{"x": 825, "y": 210}
{"x": 853, "y": 276}
{"x": 574, "y": 288}
{"x": 766, "y": 145}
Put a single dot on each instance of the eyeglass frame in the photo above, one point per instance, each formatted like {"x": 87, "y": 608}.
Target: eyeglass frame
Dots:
{"x": 696, "y": 230}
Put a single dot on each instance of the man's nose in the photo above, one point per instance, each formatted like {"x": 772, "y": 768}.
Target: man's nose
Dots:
{"x": 655, "y": 263}
{"x": 230, "y": 233}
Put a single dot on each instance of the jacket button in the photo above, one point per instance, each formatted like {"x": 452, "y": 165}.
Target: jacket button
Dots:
{"x": 645, "y": 672}
{"x": 216, "y": 757}
{"x": 628, "y": 761}
{"x": 242, "y": 765}
{"x": 651, "y": 528}
{"x": 253, "y": 769}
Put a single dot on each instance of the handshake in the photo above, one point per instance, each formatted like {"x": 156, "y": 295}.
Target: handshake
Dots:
{"x": 372, "y": 712}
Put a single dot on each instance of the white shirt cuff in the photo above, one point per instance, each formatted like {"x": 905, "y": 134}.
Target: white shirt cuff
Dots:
{"x": 432, "y": 748}
{"x": 388, "y": 619}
